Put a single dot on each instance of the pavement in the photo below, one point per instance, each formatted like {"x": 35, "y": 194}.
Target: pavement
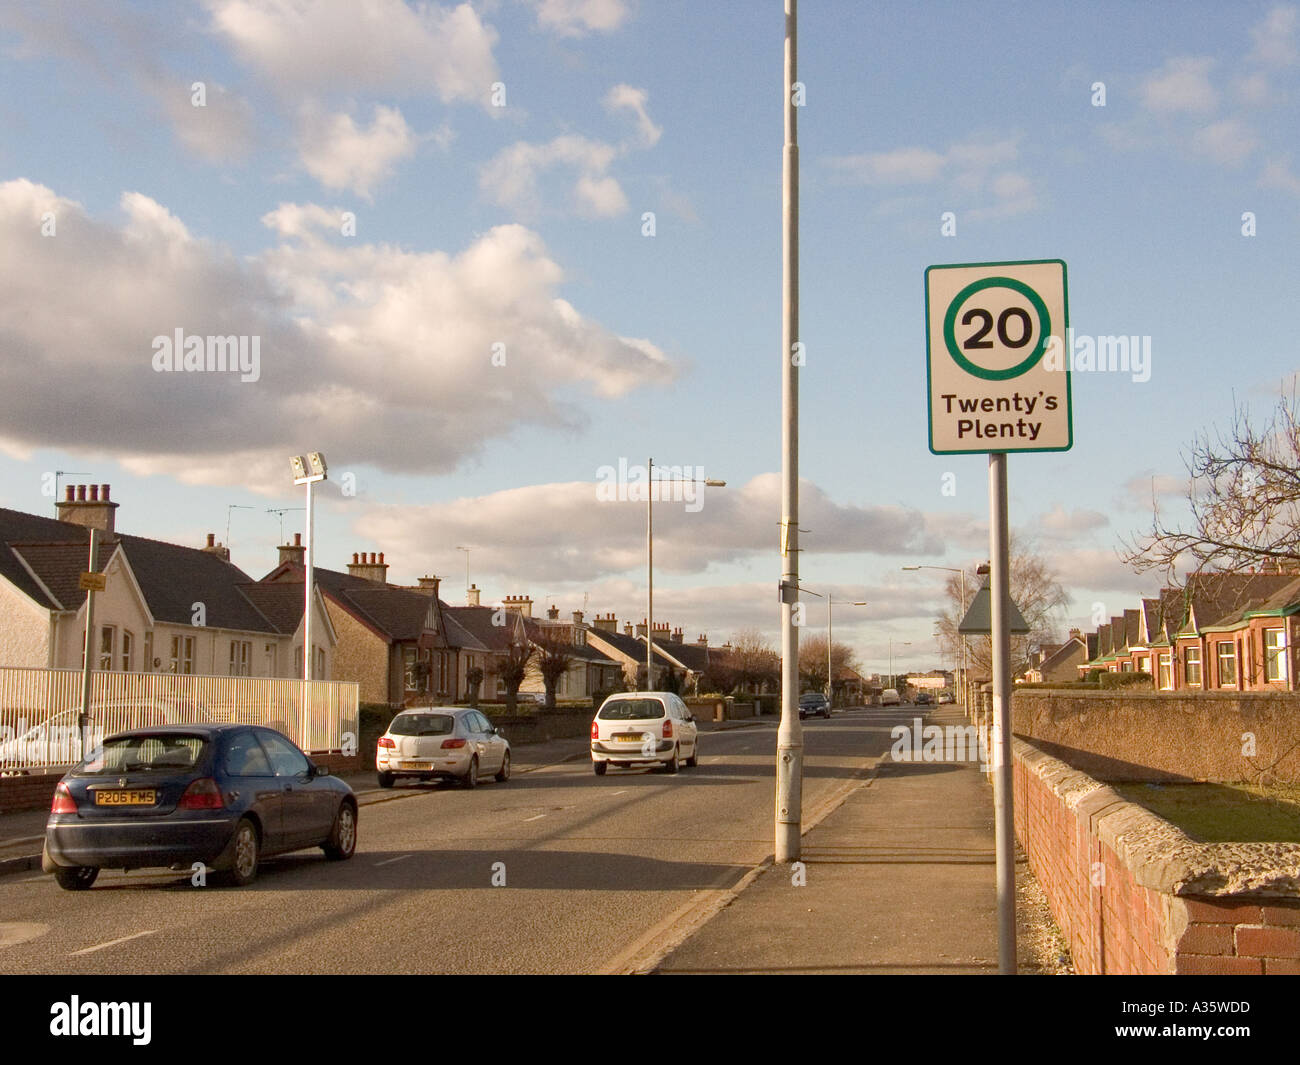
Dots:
{"x": 915, "y": 840}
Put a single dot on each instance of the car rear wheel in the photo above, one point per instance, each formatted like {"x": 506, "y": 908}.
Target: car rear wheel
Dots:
{"x": 470, "y": 780}
{"x": 599, "y": 768}
{"x": 694, "y": 759}
{"x": 75, "y": 877}
{"x": 672, "y": 765}
{"x": 503, "y": 774}
{"x": 244, "y": 854}
{"x": 385, "y": 780}
{"x": 343, "y": 836}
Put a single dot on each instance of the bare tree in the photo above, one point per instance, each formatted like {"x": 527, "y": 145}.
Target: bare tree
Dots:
{"x": 812, "y": 660}
{"x": 1034, "y": 589}
{"x": 753, "y": 659}
{"x": 553, "y": 661}
{"x": 513, "y": 669}
{"x": 1244, "y": 497}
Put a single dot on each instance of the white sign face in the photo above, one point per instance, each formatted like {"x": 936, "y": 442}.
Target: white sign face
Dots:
{"x": 988, "y": 326}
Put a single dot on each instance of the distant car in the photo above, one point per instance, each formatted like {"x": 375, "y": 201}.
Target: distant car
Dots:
{"x": 945, "y": 697}
{"x": 889, "y": 697}
{"x": 813, "y": 703}
{"x": 224, "y": 795}
{"x": 453, "y": 743}
{"x": 923, "y": 699}
{"x": 644, "y": 728}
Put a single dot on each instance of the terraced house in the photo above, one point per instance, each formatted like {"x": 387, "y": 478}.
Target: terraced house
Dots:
{"x": 165, "y": 608}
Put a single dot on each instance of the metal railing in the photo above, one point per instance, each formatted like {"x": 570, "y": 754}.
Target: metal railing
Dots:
{"x": 40, "y": 709}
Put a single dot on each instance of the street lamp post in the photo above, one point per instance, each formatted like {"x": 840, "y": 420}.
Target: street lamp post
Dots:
{"x": 308, "y": 470}
{"x": 961, "y": 665}
{"x": 708, "y": 482}
{"x": 904, "y": 643}
{"x": 466, "y": 550}
{"x": 830, "y": 676}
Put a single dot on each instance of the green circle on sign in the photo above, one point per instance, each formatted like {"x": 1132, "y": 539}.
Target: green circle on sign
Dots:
{"x": 950, "y": 321}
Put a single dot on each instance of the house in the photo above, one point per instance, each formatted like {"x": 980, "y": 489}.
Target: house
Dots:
{"x": 628, "y": 648}
{"x": 391, "y": 640}
{"x": 483, "y": 636}
{"x": 591, "y": 672}
{"x": 165, "y": 608}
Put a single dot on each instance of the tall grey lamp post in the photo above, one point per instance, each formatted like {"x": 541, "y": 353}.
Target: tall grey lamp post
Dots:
{"x": 308, "y": 470}
{"x": 830, "y": 676}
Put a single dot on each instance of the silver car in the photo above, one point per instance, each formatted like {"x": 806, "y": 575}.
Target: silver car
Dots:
{"x": 442, "y": 743}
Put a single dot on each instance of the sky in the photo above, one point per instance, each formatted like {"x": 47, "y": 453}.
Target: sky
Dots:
{"x": 487, "y": 253}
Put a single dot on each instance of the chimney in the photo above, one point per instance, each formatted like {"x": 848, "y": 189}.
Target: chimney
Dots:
{"x": 703, "y": 641}
{"x": 519, "y": 604}
{"x": 627, "y": 628}
{"x": 1076, "y": 634}
{"x": 676, "y": 637}
{"x": 95, "y": 512}
{"x": 553, "y": 613}
{"x": 213, "y": 548}
{"x": 642, "y": 628}
{"x": 608, "y": 623}
{"x": 369, "y": 568}
{"x": 429, "y": 586}
{"x": 472, "y": 595}
{"x": 577, "y": 619}
{"x": 294, "y": 552}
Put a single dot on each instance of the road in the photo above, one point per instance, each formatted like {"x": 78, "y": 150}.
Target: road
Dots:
{"x": 601, "y": 874}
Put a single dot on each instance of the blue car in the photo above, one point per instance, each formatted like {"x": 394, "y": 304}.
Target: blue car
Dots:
{"x": 223, "y": 795}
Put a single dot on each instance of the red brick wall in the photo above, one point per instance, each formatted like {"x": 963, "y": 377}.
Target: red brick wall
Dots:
{"x": 1115, "y": 924}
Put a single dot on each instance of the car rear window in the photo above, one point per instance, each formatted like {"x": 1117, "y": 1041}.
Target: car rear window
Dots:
{"x": 422, "y": 725}
{"x": 164, "y": 753}
{"x": 631, "y": 710}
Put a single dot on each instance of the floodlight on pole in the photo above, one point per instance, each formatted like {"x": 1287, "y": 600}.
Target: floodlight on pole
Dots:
{"x": 307, "y": 470}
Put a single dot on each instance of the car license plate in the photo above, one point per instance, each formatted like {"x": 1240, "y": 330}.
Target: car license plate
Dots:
{"x": 630, "y": 737}
{"x": 417, "y": 765}
{"x": 137, "y": 797}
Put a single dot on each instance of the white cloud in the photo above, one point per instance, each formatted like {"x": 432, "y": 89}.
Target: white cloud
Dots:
{"x": 348, "y": 46}
{"x": 510, "y": 178}
{"x": 379, "y": 355}
{"x": 1275, "y": 36}
{"x": 340, "y": 155}
{"x": 1279, "y": 175}
{"x": 1228, "y": 141}
{"x": 901, "y": 166}
{"x": 577, "y": 18}
{"x": 627, "y": 98}
{"x": 566, "y": 532}
{"x": 1182, "y": 84}
{"x": 1060, "y": 524}
{"x": 219, "y": 131}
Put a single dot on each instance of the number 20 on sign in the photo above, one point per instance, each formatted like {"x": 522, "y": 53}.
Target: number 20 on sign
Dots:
{"x": 988, "y": 326}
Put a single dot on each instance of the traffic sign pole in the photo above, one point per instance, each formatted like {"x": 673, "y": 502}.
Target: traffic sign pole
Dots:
{"x": 1004, "y": 822}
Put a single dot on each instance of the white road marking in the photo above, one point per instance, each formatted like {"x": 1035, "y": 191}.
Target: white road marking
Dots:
{"x": 113, "y": 943}
{"x": 621, "y": 791}
{"x": 538, "y": 817}
{"x": 389, "y": 861}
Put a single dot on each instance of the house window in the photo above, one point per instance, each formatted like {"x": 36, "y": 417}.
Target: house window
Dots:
{"x": 106, "y": 635}
{"x": 409, "y": 660}
{"x": 1192, "y": 667}
{"x": 1166, "y": 671}
{"x": 319, "y": 672}
{"x": 1227, "y": 665}
{"x": 1275, "y": 654}
{"x": 1126, "y": 666}
{"x": 128, "y": 647}
{"x": 444, "y": 668}
{"x": 1144, "y": 664}
{"x": 241, "y": 656}
{"x": 182, "y": 654}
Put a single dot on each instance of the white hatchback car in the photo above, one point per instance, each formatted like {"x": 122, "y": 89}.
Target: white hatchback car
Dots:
{"x": 442, "y": 742}
{"x": 644, "y": 728}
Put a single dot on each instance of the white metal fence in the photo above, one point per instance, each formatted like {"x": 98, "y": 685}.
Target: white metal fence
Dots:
{"x": 40, "y": 709}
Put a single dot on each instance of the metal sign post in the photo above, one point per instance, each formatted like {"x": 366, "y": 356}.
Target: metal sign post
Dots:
{"x": 988, "y": 327}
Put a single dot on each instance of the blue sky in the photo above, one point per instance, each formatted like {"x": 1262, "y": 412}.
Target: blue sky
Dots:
{"x": 522, "y": 225}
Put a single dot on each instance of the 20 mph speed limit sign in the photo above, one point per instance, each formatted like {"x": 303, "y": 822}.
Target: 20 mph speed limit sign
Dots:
{"x": 988, "y": 328}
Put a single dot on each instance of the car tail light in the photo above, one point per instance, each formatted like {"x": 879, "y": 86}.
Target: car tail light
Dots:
{"x": 63, "y": 803}
{"x": 668, "y": 730}
{"x": 202, "y": 794}
{"x": 451, "y": 745}
{"x": 385, "y": 741}
{"x": 595, "y": 731}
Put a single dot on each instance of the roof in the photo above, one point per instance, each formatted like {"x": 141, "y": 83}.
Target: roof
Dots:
{"x": 562, "y": 633}
{"x": 634, "y": 647}
{"x": 44, "y": 556}
{"x": 477, "y": 622}
{"x": 397, "y": 614}
{"x": 1062, "y": 655}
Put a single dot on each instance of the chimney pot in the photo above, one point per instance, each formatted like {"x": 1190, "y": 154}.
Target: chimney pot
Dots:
{"x": 381, "y": 558}
{"x": 94, "y": 493}
{"x": 72, "y": 493}
{"x": 81, "y": 493}
{"x": 212, "y": 539}
{"x": 104, "y": 493}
